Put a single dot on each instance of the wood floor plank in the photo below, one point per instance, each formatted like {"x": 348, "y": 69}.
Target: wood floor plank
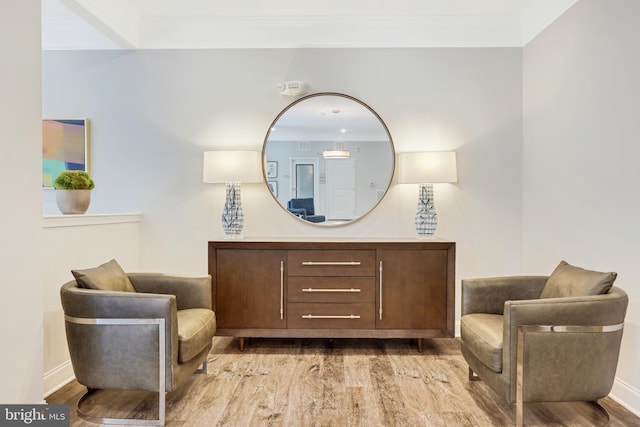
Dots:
{"x": 321, "y": 382}
{"x": 389, "y": 394}
{"x": 306, "y": 405}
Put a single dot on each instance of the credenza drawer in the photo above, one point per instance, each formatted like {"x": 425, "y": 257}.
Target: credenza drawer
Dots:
{"x": 331, "y": 263}
{"x": 331, "y": 289}
{"x": 331, "y": 316}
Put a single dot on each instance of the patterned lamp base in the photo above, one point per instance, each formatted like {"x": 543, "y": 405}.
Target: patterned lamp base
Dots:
{"x": 426, "y": 217}
{"x": 232, "y": 216}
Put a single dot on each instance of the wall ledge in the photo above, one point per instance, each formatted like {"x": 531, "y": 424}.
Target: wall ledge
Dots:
{"x": 52, "y": 221}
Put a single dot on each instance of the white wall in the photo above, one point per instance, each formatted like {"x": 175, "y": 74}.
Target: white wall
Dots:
{"x": 153, "y": 113}
{"x": 581, "y": 91}
{"x": 20, "y": 217}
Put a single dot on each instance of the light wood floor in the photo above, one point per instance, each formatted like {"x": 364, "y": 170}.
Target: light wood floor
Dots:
{"x": 321, "y": 382}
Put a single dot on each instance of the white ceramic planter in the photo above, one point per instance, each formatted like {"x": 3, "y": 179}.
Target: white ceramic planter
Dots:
{"x": 73, "y": 201}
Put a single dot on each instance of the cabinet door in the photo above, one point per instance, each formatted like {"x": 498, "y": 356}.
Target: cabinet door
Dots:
{"x": 250, "y": 289}
{"x": 413, "y": 289}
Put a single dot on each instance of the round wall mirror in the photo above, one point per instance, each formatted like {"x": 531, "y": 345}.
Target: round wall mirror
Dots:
{"x": 328, "y": 159}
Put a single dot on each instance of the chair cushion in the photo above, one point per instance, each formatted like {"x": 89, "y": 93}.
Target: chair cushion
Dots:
{"x": 106, "y": 277}
{"x": 482, "y": 335}
{"x": 570, "y": 281}
{"x": 196, "y": 327}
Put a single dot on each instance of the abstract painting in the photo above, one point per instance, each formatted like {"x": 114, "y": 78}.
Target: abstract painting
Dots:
{"x": 64, "y": 146}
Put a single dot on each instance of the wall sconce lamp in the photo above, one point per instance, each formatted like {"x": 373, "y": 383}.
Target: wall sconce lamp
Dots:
{"x": 232, "y": 168}
{"x": 426, "y": 169}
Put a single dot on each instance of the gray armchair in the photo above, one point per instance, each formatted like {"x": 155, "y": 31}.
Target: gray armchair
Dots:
{"x": 151, "y": 335}
{"x": 536, "y": 339}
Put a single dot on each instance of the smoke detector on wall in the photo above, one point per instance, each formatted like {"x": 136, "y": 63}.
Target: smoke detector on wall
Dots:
{"x": 293, "y": 88}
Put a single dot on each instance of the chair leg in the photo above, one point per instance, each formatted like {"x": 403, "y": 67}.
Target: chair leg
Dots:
{"x": 160, "y": 322}
{"x": 520, "y": 377}
{"x": 472, "y": 375}
{"x": 123, "y": 421}
{"x": 520, "y": 412}
{"x": 603, "y": 411}
{"x": 523, "y": 330}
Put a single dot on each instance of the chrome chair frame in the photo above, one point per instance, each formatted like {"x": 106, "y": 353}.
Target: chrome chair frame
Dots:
{"x": 523, "y": 330}
{"x": 160, "y": 421}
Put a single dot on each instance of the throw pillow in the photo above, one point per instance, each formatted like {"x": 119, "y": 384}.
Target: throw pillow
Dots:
{"x": 106, "y": 277}
{"x": 570, "y": 281}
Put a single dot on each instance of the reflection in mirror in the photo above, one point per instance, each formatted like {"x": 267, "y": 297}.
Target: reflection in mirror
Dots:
{"x": 304, "y": 180}
{"x": 330, "y": 156}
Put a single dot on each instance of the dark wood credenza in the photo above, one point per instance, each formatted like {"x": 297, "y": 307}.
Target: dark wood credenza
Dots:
{"x": 333, "y": 288}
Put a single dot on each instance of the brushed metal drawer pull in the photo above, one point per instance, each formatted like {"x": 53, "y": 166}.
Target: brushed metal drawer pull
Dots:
{"x": 331, "y": 263}
{"x": 281, "y": 290}
{"x": 313, "y": 316}
{"x": 380, "y": 311}
{"x": 352, "y": 290}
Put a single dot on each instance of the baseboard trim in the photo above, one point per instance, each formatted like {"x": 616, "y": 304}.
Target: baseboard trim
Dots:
{"x": 58, "y": 377}
{"x": 626, "y": 395}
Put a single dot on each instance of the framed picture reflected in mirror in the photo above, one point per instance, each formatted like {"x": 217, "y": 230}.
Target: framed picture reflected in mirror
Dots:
{"x": 272, "y": 170}
{"x": 273, "y": 186}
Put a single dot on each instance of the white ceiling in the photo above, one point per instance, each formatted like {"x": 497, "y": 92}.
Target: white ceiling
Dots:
{"x": 328, "y": 118}
{"x": 190, "y": 24}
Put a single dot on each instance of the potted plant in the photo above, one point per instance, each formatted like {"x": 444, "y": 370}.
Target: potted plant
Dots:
{"x": 73, "y": 191}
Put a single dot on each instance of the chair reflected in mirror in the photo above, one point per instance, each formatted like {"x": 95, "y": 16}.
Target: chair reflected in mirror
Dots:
{"x": 304, "y": 209}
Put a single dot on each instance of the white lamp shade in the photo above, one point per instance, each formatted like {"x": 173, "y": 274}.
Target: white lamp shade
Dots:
{"x": 232, "y": 166}
{"x": 427, "y": 167}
